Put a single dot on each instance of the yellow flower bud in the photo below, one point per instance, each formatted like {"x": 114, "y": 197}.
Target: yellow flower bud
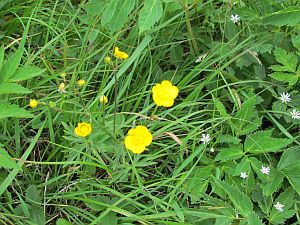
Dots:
{"x": 107, "y": 60}
{"x": 61, "y": 88}
{"x": 81, "y": 82}
{"x": 63, "y": 75}
{"x": 103, "y": 99}
{"x": 33, "y": 103}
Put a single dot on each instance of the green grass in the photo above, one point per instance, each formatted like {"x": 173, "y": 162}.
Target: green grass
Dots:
{"x": 55, "y": 177}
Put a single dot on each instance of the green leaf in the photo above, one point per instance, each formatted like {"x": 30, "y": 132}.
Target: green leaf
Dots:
{"x": 262, "y": 142}
{"x": 26, "y": 72}
{"x": 150, "y": 14}
{"x": 109, "y": 12}
{"x": 246, "y": 119}
{"x": 12, "y": 64}
{"x": 274, "y": 182}
{"x": 226, "y": 138}
{"x": 290, "y": 157}
{"x": 296, "y": 42}
{"x": 11, "y": 88}
{"x": 121, "y": 14}
{"x": 6, "y": 161}
{"x": 95, "y": 7}
{"x": 289, "y": 16}
{"x": 253, "y": 219}
{"x": 33, "y": 194}
{"x": 287, "y": 198}
{"x": 8, "y": 110}
{"x": 289, "y": 78}
{"x": 240, "y": 200}
{"x": 231, "y": 153}
{"x": 289, "y": 60}
{"x": 62, "y": 222}
{"x": 243, "y": 166}
{"x": 293, "y": 176}
{"x": 197, "y": 182}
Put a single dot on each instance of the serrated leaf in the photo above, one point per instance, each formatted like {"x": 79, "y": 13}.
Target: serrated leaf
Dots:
{"x": 197, "y": 182}
{"x": 150, "y": 14}
{"x": 278, "y": 106}
{"x": 6, "y": 161}
{"x": 290, "y": 157}
{"x": 243, "y": 166}
{"x": 289, "y": 16}
{"x": 287, "y": 198}
{"x": 234, "y": 152}
{"x": 288, "y": 60}
{"x": 226, "y": 138}
{"x": 289, "y": 78}
{"x": 293, "y": 176}
{"x": 240, "y": 200}
{"x": 121, "y": 14}
{"x": 246, "y": 119}
{"x": 263, "y": 48}
{"x": 8, "y": 110}
{"x": 262, "y": 142}
{"x": 12, "y": 88}
{"x": 26, "y": 73}
{"x": 33, "y": 194}
{"x": 275, "y": 181}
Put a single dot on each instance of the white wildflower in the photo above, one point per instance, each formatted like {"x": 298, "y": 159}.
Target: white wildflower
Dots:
{"x": 243, "y": 175}
{"x": 265, "y": 170}
{"x": 235, "y": 18}
{"x": 279, "y": 206}
{"x": 285, "y": 97}
{"x": 201, "y": 57}
{"x": 212, "y": 150}
{"x": 295, "y": 114}
{"x": 205, "y": 138}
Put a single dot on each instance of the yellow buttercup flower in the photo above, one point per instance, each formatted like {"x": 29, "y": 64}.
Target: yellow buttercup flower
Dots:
{"x": 81, "y": 82}
{"x": 107, "y": 60}
{"x": 119, "y": 54}
{"x": 103, "y": 99}
{"x": 83, "y": 129}
{"x": 164, "y": 94}
{"x": 138, "y": 139}
{"x": 33, "y": 103}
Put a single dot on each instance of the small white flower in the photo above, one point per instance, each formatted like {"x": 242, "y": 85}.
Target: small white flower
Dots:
{"x": 61, "y": 88}
{"x": 212, "y": 150}
{"x": 205, "y": 138}
{"x": 201, "y": 57}
{"x": 235, "y": 18}
{"x": 265, "y": 170}
{"x": 243, "y": 175}
{"x": 295, "y": 114}
{"x": 285, "y": 97}
{"x": 279, "y": 206}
